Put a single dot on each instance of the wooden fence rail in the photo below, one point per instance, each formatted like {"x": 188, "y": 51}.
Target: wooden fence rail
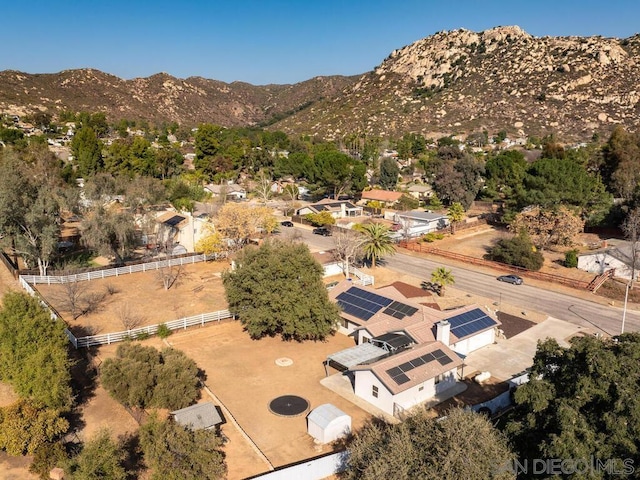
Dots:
{"x": 419, "y": 247}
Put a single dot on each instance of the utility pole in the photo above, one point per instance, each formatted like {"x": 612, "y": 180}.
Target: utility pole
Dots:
{"x": 624, "y": 310}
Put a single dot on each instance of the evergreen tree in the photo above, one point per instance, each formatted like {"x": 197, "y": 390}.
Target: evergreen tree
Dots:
{"x": 277, "y": 289}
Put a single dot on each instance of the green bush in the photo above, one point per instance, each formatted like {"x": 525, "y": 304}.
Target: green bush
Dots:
{"x": 432, "y": 237}
{"x": 142, "y": 336}
{"x": 517, "y": 251}
{"x": 571, "y": 259}
{"x": 163, "y": 331}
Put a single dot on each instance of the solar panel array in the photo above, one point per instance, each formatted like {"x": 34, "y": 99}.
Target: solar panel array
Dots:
{"x": 400, "y": 310}
{"x": 471, "y": 322}
{"x": 173, "y": 221}
{"x": 361, "y": 304}
{"x": 398, "y": 374}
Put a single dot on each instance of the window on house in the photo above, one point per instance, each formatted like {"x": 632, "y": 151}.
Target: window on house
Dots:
{"x": 438, "y": 379}
{"x": 421, "y": 388}
{"x": 374, "y": 391}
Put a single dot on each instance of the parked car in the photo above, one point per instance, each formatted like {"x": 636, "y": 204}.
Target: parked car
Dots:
{"x": 287, "y": 223}
{"x": 515, "y": 279}
{"x": 324, "y": 231}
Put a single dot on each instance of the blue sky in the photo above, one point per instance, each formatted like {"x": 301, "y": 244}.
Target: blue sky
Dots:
{"x": 269, "y": 41}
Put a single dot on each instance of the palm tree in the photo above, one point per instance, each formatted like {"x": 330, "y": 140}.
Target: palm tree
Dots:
{"x": 442, "y": 277}
{"x": 378, "y": 241}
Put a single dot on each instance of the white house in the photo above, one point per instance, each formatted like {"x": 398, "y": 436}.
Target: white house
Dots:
{"x": 232, "y": 191}
{"x": 619, "y": 257}
{"x": 338, "y": 209}
{"x": 416, "y": 223}
{"x": 179, "y": 232}
{"x": 395, "y": 330}
{"x": 414, "y": 376}
{"x": 420, "y": 191}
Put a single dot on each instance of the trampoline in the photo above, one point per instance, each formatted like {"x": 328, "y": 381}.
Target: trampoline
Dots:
{"x": 288, "y": 406}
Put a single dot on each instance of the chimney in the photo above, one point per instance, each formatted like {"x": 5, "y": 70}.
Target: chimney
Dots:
{"x": 443, "y": 330}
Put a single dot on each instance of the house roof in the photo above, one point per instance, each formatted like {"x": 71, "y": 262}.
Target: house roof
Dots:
{"x": 381, "y": 195}
{"x": 325, "y": 257}
{"x": 414, "y": 366}
{"x": 325, "y": 414}
{"x": 198, "y": 416}
{"x": 424, "y": 216}
{"x": 417, "y": 188}
{"x": 171, "y": 219}
{"x": 332, "y": 206}
{"x": 227, "y": 189}
{"x": 410, "y": 291}
{"x": 420, "y": 320}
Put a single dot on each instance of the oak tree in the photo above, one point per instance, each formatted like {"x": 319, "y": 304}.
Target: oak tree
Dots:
{"x": 277, "y": 289}
{"x": 174, "y": 452}
{"x": 463, "y": 444}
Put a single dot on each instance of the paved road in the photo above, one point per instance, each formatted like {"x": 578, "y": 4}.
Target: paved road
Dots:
{"x": 560, "y": 305}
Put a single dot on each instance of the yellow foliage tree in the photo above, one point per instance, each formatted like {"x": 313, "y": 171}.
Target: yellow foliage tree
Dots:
{"x": 237, "y": 222}
{"x": 212, "y": 242}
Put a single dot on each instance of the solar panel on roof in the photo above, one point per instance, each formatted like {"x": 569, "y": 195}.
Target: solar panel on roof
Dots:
{"x": 360, "y": 303}
{"x": 468, "y": 323}
{"x": 173, "y": 221}
{"x": 400, "y": 310}
{"x": 399, "y": 372}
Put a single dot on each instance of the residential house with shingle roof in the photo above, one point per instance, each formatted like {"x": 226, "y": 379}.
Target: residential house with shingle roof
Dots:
{"x": 386, "y": 197}
{"x": 406, "y": 351}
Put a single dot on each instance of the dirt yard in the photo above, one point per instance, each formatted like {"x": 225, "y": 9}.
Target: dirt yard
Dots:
{"x": 141, "y": 297}
{"x": 477, "y": 244}
{"x": 243, "y": 374}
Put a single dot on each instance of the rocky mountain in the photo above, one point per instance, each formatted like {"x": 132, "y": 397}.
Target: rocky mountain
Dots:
{"x": 455, "y": 82}
{"x": 500, "y": 79}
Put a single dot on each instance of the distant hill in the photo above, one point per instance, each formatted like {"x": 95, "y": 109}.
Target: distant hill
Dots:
{"x": 161, "y": 97}
{"x": 456, "y": 82}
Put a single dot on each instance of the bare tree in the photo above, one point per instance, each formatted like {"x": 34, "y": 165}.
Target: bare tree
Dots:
{"x": 170, "y": 275}
{"x": 263, "y": 186}
{"x": 631, "y": 229}
{"x": 129, "y": 318}
{"x": 76, "y": 299}
{"x": 348, "y": 246}
{"x": 72, "y": 298}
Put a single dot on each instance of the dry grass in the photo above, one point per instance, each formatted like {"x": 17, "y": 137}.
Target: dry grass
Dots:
{"x": 144, "y": 298}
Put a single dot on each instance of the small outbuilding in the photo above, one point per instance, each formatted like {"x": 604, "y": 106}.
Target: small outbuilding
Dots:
{"x": 328, "y": 423}
{"x": 203, "y": 416}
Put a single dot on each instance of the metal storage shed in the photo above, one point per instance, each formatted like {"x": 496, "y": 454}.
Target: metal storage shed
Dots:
{"x": 327, "y": 423}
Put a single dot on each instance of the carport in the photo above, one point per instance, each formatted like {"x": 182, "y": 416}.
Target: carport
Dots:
{"x": 350, "y": 357}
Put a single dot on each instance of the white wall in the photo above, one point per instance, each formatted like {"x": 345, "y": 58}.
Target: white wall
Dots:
{"x": 471, "y": 344}
{"x": 599, "y": 263}
{"x": 365, "y": 380}
{"x": 337, "y": 428}
{"x": 331, "y": 269}
{"x": 414, "y": 396}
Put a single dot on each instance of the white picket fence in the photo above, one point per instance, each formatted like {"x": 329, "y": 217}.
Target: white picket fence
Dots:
{"x": 179, "y": 324}
{"x": 113, "y": 272}
{"x": 108, "y": 338}
{"x": 364, "y": 278}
